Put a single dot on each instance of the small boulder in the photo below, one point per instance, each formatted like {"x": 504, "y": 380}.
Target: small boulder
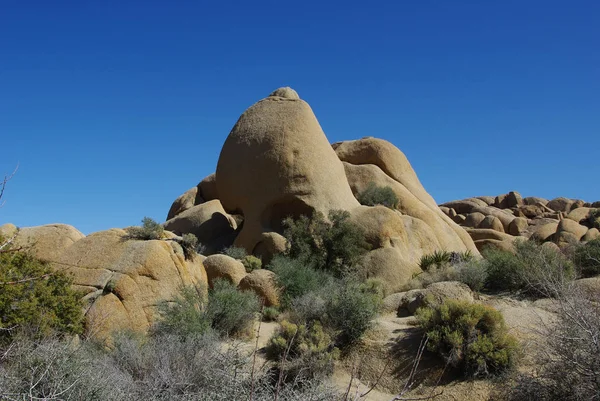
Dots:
{"x": 561, "y": 204}
{"x": 571, "y": 227}
{"x": 591, "y": 234}
{"x": 518, "y": 226}
{"x": 544, "y": 232}
{"x": 263, "y": 283}
{"x": 224, "y": 267}
{"x": 493, "y": 223}
{"x": 473, "y": 220}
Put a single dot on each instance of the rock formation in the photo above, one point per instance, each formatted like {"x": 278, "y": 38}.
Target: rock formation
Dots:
{"x": 561, "y": 220}
{"x": 277, "y": 162}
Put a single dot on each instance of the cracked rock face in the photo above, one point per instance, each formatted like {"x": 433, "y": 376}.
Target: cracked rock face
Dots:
{"x": 124, "y": 280}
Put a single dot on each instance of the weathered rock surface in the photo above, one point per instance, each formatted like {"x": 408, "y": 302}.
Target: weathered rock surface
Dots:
{"x": 224, "y": 267}
{"x": 273, "y": 165}
{"x": 208, "y": 221}
{"x": 529, "y": 217}
{"x": 46, "y": 242}
{"x": 126, "y": 279}
{"x": 263, "y": 283}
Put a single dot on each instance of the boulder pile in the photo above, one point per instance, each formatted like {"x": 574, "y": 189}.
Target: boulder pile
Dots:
{"x": 277, "y": 162}
{"x": 499, "y": 220}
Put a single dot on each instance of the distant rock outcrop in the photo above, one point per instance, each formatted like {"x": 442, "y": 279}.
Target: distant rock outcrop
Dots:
{"x": 561, "y": 220}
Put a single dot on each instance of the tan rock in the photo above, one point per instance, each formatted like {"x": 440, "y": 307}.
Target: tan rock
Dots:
{"x": 389, "y": 265}
{"x": 450, "y": 290}
{"x": 224, "y": 267}
{"x": 572, "y": 227}
{"x": 208, "y": 221}
{"x": 591, "y": 234}
{"x": 503, "y": 245}
{"x": 47, "y": 242}
{"x": 486, "y": 233}
{"x": 208, "y": 188}
{"x": 473, "y": 220}
{"x": 489, "y": 200}
{"x": 580, "y": 213}
{"x": 446, "y": 232}
{"x": 509, "y": 200}
{"x": 545, "y": 232}
{"x": 518, "y": 226}
{"x": 493, "y": 223}
{"x": 533, "y": 200}
{"x": 270, "y": 244}
{"x": 459, "y": 219}
{"x": 131, "y": 277}
{"x": 561, "y": 204}
{"x": 187, "y": 200}
{"x": 263, "y": 283}
{"x": 277, "y": 162}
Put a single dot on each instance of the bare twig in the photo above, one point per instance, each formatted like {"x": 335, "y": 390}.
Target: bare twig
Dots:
{"x": 262, "y": 309}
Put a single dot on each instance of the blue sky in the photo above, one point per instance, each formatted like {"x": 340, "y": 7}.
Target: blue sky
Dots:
{"x": 112, "y": 109}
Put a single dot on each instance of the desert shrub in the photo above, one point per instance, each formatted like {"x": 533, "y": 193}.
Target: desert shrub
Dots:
{"x": 36, "y": 298}
{"x": 155, "y": 368}
{"x": 302, "y": 351}
{"x": 473, "y": 273}
{"x": 308, "y": 307}
{"x": 350, "y": 309}
{"x": 533, "y": 269}
{"x": 189, "y": 244}
{"x": 470, "y": 337}
{"x": 467, "y": 270}
{"x": 235, "y": 252}
{"x": 251, "y": 262}
{"x": 55, "y": 369}
{"x": 296, "y": 278}
{"x": 336, "y": 244}
{"x": 227, "y": 310}
{"x": 587, "y": 258}
{"x": 374, "y": 195}
{"x": 270, "y": 313}
{"x": 569, "y": 369}
{"x": 436, "y": 259}
{"x": 149, "y": 230}
{"x": 186, "y": 315}
{"x": 231, "y": 311}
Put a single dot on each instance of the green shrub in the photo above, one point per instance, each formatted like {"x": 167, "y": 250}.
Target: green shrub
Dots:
{"x": 189, "y": 244}
{"x": 270, "y": 314}
{"x": 534, "y": 269}
{"x": 350, "y": 309}
{"x": 302, "y": 351}
{"x": 251, "y": 262}
{"x": 473, "y": 273}
{"x": 35, "y": 297}
{"x": 231, "y": 311}
{"x": 235, "y": 252}
{"x": 374, "y": 195}
{"x": 437, "y": 259}
{"x": 587, "y": 258}
{"x": 461, "y": 267}
{"x": 296, "y": 278}
{"x": 186, "y": 315}
{"x": 470, "y": 337}
{"x": 336, "y": 245}
{"x": 149, "y": 230}
{"x": 227, "y": 310}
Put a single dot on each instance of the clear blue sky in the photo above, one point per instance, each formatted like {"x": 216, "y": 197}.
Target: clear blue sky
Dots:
{"x": 114, "y": 108}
